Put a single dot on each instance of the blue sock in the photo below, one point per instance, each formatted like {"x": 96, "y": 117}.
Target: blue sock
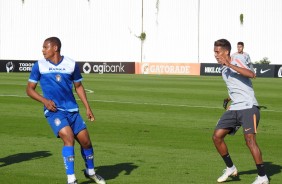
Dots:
{"x": 88, "y": 156}
{"x": 68, "y": 155}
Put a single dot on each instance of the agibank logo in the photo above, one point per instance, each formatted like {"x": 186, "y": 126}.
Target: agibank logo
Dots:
{"x": 104, "y": 68}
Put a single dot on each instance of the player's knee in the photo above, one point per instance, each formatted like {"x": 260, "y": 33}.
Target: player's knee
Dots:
{"x": 216, "y": 139}
{"x": 86, "y": 144}
{"x": 68, "y": 140}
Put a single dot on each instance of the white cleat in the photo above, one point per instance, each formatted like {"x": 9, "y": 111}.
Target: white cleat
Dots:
{"x": 229, "y": 171}
{"x": 98, "y": 179}
{"x": 261, "y": 180}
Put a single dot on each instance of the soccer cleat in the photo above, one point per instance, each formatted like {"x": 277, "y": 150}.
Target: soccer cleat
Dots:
{"x": 98, "y": 179}
{"x": 261, "y": 180}
{"x": 75, "y": 182}
{"x": 232, "y": 171}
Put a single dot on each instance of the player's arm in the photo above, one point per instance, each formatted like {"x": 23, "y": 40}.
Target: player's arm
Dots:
{"x": 243, "y": 71}
{"x": 226, "y": 60}
{"x": 30, "y": 91}
{"x": 82, "y": 95}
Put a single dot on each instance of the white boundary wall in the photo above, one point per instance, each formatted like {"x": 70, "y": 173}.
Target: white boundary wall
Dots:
{"x": 106, "y": 30}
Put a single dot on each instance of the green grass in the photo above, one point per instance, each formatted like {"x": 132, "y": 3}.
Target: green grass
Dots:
{"x": 149, "y": 129}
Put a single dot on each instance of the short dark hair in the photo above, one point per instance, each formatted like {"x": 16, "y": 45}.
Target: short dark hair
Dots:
{"x": 240, "y": 43}
{"x": 225, "y": 44}
{"x": 56, "y": 41}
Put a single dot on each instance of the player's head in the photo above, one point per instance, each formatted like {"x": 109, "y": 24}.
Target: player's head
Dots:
{"x": 51, "y": 47}
{"x": 224, "y": 44}
{"x": 240, "y": 47}
{"x": 222, "y": 49}
{"x": 55, "y": 42}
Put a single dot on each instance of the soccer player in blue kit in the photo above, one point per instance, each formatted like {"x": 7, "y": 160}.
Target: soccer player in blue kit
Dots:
{"x": 57, "y": 75}
{"x": 243, "y": 111}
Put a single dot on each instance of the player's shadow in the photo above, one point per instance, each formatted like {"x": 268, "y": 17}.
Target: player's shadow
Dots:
{"x": 270, "y": 169}
{"x": 22, "y": 157}
{"x": 110, "y": 172}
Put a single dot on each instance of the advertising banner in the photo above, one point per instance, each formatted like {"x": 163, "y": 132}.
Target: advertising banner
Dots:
{"x": 107, "y": 67}
{"x": 85, "y": 67}
{"x": 16, "y": 65}
{"x": 210, "y": 69}
{"x": 261, "y": 70}
{"x": 168, "y": 68}
{"x": 264, "y": 70}
{"x": 278, "y": 71}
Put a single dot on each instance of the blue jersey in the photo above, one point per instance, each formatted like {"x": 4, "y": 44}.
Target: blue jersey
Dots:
{"x": 56, "y": 82}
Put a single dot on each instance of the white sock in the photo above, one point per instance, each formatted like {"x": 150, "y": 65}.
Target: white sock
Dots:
{"x": 90, "y": 171}
{"x": 71, "y": 178}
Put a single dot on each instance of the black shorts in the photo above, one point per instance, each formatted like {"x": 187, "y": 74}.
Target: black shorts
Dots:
{"x": 234, "y": 119}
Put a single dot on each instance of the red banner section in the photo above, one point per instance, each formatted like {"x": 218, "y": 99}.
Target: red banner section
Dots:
{"x": 167, "y": 68}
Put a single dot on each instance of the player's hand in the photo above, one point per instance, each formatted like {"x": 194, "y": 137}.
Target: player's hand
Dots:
{"x": 90, "y": 115}
{"x": 50, "y": 105}
{"x": 222, "y": 60}
{"x": 225, "y": 103}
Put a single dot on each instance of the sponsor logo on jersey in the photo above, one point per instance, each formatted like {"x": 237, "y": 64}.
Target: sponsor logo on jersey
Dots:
{"x": 58, "y": 78}
{"x": 56, "y": 69}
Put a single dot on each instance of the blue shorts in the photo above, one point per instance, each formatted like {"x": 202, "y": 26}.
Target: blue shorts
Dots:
{"x": 60, "y": 119}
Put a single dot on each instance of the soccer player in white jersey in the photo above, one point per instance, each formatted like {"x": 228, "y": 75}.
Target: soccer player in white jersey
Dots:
{"x": 243, "y": 110}
{"x": 57, "y": 75}
{"x": 240, "y": 51}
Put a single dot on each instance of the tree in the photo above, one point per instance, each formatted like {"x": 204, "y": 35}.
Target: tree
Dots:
{"x": 263, "y": 61}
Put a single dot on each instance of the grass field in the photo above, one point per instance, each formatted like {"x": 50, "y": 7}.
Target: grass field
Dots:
{"x": 149, "y": 129}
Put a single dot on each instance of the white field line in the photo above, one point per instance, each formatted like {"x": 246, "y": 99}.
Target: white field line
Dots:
{"x": 144, "y": 103}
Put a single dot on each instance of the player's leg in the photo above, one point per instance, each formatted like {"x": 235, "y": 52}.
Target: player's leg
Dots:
{"x": 67, "y": 136}
{"x": 250, "y": 119}
{"x": 218, "y": 140}
{"x": 60, "y": 126}
{"x": 257, "y": 155}
{"x": 226, "y": 125}
{"x": 87, "y": 151}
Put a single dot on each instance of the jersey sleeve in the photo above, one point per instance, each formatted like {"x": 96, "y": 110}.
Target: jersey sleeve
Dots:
{"x": 35, "y": 75}
{"x": 77, "y": 77}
